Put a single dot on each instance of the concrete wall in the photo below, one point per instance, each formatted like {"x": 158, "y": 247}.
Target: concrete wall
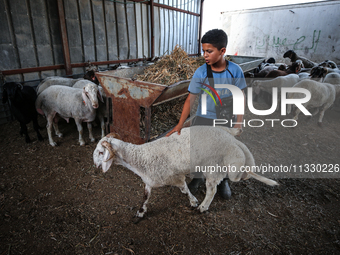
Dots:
{"x": 312, "y": 30}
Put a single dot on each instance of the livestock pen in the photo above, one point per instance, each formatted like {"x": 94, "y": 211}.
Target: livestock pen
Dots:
{"x": 53, "y": 200}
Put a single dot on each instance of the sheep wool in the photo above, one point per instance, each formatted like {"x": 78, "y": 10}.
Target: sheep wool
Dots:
{"x": 168, "y": 160}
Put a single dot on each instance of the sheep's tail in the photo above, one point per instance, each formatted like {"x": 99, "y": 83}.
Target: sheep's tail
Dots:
{"x": 38, "y": 104}
{"x": 251, "y": 163}
{"x": 249, "y": 157}
{"x": 263, "y": 179}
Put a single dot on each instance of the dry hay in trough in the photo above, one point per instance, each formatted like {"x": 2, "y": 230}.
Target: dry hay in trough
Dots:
{"x": 169, "y": 69}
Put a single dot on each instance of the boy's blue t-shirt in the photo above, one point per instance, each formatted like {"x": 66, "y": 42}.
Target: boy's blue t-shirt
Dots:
{"x": 224, "y": 77}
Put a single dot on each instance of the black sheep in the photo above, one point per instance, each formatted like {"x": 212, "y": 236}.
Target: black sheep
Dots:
{"x": 21, "y": 100}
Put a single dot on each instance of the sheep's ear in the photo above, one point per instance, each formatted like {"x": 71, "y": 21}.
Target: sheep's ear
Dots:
{"x": 84, "y": 96}
{"x": 106, "y": 163}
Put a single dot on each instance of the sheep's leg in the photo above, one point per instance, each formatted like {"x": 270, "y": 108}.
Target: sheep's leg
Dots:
{"x": 315, "y": 112}
{"x": 49, "y": 130}
{"x": 56, "y": 127}
{"x": 297, "y": 112}
{"x": 23, "y": 130}
{"x": 211, "y": 186}
{"x": 80, "y": 130}
{"x": 89, "y": 127}
{"x": 184, "y": 188}
{"x": 322, "y": 113}
{"x": 102, "y": 124}
{"x": 143, "y": 209}
{"x": 36, "y": 128}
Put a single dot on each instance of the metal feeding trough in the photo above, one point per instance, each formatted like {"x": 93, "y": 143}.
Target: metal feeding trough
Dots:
{"x": 129, "y": 100}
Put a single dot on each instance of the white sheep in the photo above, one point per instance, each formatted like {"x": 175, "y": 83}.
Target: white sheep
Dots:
{"x": 168, "y": 160}
{"x": 266, "y": 85}
{"x": 323, "y": 96}
{"x": 65, "y": 102}
{"x": 55, "y": 80}
{"x": 304, "y": 75}
{"x": 101, "y": 111}
{"x": 332, "y": 78}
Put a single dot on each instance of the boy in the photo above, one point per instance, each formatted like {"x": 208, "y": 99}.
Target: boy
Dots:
{"x": 214, "y": 44}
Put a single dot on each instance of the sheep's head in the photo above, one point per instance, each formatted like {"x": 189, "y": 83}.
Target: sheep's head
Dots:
{"x": 282, "y": 67}
{"x": 328, "y": 63}
{"x": 104, "y": 154}
{"x": 296, "y": 67}
{"x": 12, "y": 92}
{"x": 91, "y": 75}
{"x": 289, "y": 54}
{"x": 90, "y": 92}
{"x": 318, "y": 72}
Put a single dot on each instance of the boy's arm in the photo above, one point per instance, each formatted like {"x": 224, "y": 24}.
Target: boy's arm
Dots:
{"x": 185, "y": 114}
{"x": 239, "y": 118}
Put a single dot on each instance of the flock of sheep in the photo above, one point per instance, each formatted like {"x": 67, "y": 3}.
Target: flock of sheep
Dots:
{"x": 168, "y": 160}
{"x": 321, "y": 80}
{"x": 54, "y": 98}
{"x": 79, "y": 99}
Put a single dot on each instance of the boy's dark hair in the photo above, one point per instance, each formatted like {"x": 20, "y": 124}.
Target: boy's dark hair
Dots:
{"x": 217, "y": 37}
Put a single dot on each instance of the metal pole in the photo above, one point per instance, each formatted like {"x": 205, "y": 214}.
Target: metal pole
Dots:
{"x": 200, "y": 29}
{"x": 152, "y": 29}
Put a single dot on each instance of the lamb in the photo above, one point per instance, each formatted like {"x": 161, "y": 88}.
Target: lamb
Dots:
{"x": 21, "y": 100}
{"x": 323, "y": 96}
{"x": 60, "y": 101}
{"x": 168, "y": 160}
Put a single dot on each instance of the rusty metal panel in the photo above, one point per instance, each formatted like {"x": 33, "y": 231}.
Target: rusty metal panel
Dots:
{"x": 171, "y": 92}
{"x": 128, "y": 96}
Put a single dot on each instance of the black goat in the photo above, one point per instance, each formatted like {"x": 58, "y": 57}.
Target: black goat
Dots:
{"x": 21, "y": 100}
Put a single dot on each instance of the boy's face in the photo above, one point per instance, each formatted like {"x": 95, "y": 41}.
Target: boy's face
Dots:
{"x": 211, "y": 54}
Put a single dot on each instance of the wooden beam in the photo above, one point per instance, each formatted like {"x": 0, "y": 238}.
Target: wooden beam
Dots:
{"x": 64, "y": 38}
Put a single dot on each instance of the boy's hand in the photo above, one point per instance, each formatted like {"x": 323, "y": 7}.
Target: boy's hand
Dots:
{"x": 177, "y": 129}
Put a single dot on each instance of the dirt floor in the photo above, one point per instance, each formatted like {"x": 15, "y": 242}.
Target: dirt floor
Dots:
{"x": 54, "y": 201}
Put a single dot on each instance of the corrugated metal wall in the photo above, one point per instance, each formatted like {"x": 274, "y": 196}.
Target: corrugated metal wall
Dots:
{"x": 96, "y": 30}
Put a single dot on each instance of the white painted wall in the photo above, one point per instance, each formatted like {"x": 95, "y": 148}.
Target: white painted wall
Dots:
{"x": 311, "y": 30}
